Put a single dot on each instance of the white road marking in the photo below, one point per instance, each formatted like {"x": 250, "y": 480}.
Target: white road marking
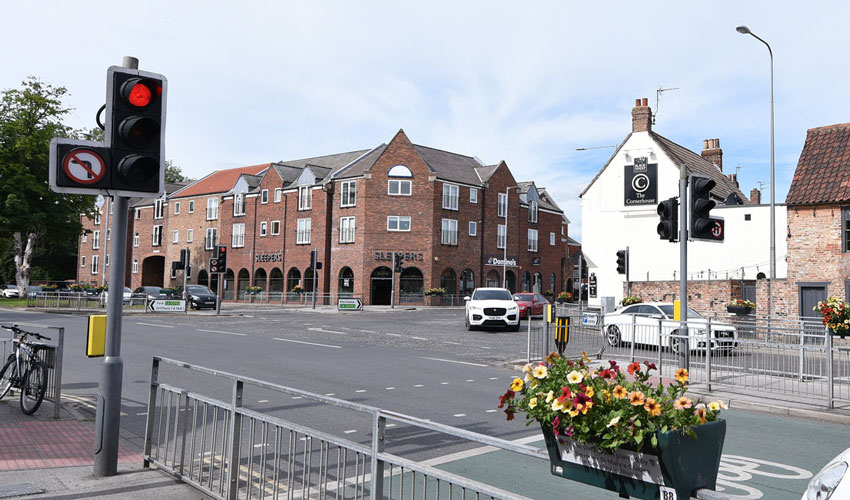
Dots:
{"x": 263, "y": 401}
{"x": 247, "y": 315}
{"x": 452, "y": 343}
{"x": 494, "y": 378}
{"x": 470, "y": 380}
{"x": 141, "y": 413}
{"x": 444, "y": 383}
{"x": 390, "y": 425}
{"x": 419, "y": 385}
{"x": 418, "y": 338}
{"x": 226, "y": 333}
{"x": 390, "y": 388}
{"x": 360, "y": 390}
{"x": 453, "y": 361}
{"x": 349, "y": 431}
{"x": 393, "y": 334}
{"x": 308, "y": 343}
{"x": 459, "y": 415}
{"x": 316, "y": 329}
{"x": 297, "y": 397}
{"x": 477, "y": 451}
{"x": 259, "y": 445}
{"x": 367, "y": 331}
{"x": 330, "y": 394}
{"x": 491, "y": 411}
{"x": 154, "y": 324}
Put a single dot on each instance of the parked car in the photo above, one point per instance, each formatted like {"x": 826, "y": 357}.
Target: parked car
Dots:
{"x": 200, "y": 297}
{"x": 10, "y": 291}
{"x": 830, "y": 481}
{"x": 640, "y": 322}
{"x": 152, "y": 292}
{"x": 33, "y": 290}
{"x": 491, "y": 307}
{"x": 126, "y": 295}
{"x": 530, "y": 303}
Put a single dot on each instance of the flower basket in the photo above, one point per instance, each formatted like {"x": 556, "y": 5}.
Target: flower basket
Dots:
{"x": 680, "y": 463}
{"x": 836, "y": 316}
{"x": 740, "y": 310}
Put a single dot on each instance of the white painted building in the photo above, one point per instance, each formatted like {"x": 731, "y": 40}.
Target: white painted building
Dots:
{"x": 617, "y": 214}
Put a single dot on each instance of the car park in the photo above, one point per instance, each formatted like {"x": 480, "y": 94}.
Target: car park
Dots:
{"x": 10, "y": 291}
{"x": 530, "y": 304}
{"x": 200, "y": 297}
{"x": 651, "y": 323}
{"x": 491, "y": 307}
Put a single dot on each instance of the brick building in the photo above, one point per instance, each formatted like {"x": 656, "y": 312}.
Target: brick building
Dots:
{"x": 448, "y": 216}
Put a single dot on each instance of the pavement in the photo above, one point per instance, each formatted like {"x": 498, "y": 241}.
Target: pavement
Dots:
{"x": 45, "y": 458}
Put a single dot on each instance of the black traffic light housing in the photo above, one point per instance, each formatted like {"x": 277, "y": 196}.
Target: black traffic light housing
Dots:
{"x": 702, "y": 226}
{"x": 398, "y": 264}
{"x": 221, "y": 255}
{"x": 622, "y": 261}
{"x": 668, "y": 227}
{"x": 135, "y": 131}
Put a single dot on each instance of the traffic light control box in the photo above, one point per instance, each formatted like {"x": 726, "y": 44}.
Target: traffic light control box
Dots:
{"x": 96, "y": 336}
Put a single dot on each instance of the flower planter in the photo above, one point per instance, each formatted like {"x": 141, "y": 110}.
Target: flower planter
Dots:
{"x": 740, "y": 310}
{"x": 680, "y": 463}
{"x": 841, "y": 332}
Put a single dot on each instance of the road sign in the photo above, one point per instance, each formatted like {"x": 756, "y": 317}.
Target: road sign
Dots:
{"x": 350, "y": 305}
{"x": 84, "y": 166}
{"x": 167, "y": 305}
{"x": 80, "y": 167}
{"x": 214, "y": 266}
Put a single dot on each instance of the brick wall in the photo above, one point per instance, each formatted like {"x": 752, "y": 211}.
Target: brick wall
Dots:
{"x": 707, "y": 297}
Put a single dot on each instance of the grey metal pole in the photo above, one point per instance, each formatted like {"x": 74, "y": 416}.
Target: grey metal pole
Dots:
{"x": 185, "y": 280}
{"x": 684, "y": 351}
{"x": 315, "y": 277}
{"x": 505, "y": 249}
{"x": 392, "y": 287}
{"x": 218, "y": 294}
{"x": 628, "y": 284}
{"x": 106, "y": 241}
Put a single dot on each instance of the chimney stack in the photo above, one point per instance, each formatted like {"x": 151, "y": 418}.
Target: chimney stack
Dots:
{"x": 641, "y": 116}
{"x": 711, "y": 151}
{"x": 734, "y": 179}
{"x": 755, "y": 196}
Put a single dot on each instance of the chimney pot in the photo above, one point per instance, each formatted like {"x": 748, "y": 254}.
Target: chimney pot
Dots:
{"x": 705, "y": 144}
{"x": 644, "y": 102}
{"x": 716, "y": 143}
{"x": 637, "y": 101}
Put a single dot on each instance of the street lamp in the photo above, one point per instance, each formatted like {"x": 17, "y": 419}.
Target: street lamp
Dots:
{"x": 505, "y": 249}
{"x": 746, "y": 31}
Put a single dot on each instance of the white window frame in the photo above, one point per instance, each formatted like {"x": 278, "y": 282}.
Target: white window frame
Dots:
{"x": 303, "y": 231}
{"x": 85, "y": 238}
{"x": 106, "y": 260}
{"x": 264, "y": 196}
{"x": 210, "y": 238}
{"x": 532, "y": 240}
{"x": 399, "y": 191}
{"x": 473, "y": 195}
{"x": 156, "y": 236}
{"x": 532, "y": 212}
{"x": 451, "y": 194}
{"x": 473, "y": 228}
{"x": 135, "y": 239}
{"x": 448, "y": 233}
{"x": 348, "y": 194}
{"x": 397, "y": 220}
{"x": 95, "y": 263}
{"x": 503, "y": 205}
{"x": 551, "y": 239}
{"x": 135, "y": 266}
{"x": 237, "y": 238}
{"x": 97, "y": 219}
{"x": 264, "y": 229}
{"x": 138, "y": 214}
{"x": 191, "y": 206}
{"x": 238, "y": 204}
{"x": 278, "y": 194}
{"x": 190, "y": 235}
{"x": 82, "y": 261}
{"x": 501, "y": 235}
{"x": 173, "y": 273}
{"x": 346, "y": 229}
{"x": 175, "y": 236}
{"x": 212, "y": 208}
{"x": 275, "y": 227}
{"x": 95, "y": 240}
{"x": 305, "y": 197}
{"x": 157, "y": 209}
{"x": 176, "y": 208}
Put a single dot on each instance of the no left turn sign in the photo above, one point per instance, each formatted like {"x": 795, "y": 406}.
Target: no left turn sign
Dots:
{"x": 84, "y": 166}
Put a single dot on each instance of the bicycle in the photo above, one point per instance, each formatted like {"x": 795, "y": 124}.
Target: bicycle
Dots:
{"x": 24, "y": 370}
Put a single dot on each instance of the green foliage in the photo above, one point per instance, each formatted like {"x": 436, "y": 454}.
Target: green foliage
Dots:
{"x": 174, "y": 173}
{"x": 435, "y": 291}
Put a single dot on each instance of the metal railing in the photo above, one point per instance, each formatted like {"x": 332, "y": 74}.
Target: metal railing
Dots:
{"x": 79, "y": 301}
{"x": 51, "y": 355}
{"x": 304, "y": 299}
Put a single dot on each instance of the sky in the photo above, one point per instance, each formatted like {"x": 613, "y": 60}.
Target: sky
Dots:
{"x": 526, "y": 82}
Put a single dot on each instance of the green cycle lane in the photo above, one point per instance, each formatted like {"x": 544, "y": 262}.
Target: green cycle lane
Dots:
{"x": 764, "y": 456}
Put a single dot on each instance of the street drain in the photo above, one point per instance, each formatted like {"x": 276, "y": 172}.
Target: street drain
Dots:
{"x": 16, "y": 490}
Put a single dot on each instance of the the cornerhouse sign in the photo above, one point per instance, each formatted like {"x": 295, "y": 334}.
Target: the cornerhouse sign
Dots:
{"x": 641, "y": 183}
{"x": 268, "y": 257}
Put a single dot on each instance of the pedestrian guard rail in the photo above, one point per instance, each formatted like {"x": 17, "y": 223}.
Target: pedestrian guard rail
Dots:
{"x": 50, "y": 354}
{"x": 229, "y": 451}
{"x": 80, "y": 301}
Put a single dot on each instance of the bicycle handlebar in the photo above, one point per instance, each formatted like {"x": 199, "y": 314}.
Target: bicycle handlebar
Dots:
{"x": 23, "y": 333}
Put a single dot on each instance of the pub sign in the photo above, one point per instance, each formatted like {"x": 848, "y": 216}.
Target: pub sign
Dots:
{"x": 641, "y": 183}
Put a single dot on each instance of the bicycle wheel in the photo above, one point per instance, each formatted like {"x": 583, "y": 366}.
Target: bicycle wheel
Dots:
{"x": 7, "y": 375}
{"x": 33, "y": 387}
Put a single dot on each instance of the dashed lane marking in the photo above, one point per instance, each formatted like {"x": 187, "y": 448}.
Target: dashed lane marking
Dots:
{"x": 390, "y": 388}
{"x": 494, "y": 378}
{"x": 226, "y": 333}
{"x": 360, "y": 390}
{"x": 452, "y": 343}
{"x": 393, "y": 334}
{"x": 418, "y": 338}
{"x": 491, "y": 411}
{"x": 263, "y": 401}
{"x": 453, "y": 361}
{"x": 444, "y": 383}
{"x": 470, "y": 380}
{"x": 350, "y": 431}
{"x": 154, "y": 324}
{"x": 419, "y": 385}
{"x": 458, "y": 415}
{"x": 308, "y": 343}
{"x": 367, "y": 331}
{"x": 322, "y": 329}
{"x": 330, "y": 394}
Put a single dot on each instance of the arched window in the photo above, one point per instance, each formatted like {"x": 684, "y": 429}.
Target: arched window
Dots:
{"x": 493, "y": 279}
{"x": 399, "y": 171}
{"x": 276, "y": 281}
{"x": 308, "y": 280}
{"x": 412, "y": 281}
{"x": 203, "y": 278}
{"x": 538, "y": 283}
{"x": 448, "y": 280}
{"x": 293, "y": 279}
{"x": 260, "y": 279}
{"x": 346, "y": 281}
{"x": 467, "y": 282}
{"x": 242, "y": 283}
{"x": 229, "y": 285}
{"x": 510, "y": 279}
{"x": 526, "y": 282}
{"x": 399, "y": 183}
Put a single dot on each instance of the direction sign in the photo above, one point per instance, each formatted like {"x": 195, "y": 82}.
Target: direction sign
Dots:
{"x": 167, "y": 305}
{"x": 350, "y": 305}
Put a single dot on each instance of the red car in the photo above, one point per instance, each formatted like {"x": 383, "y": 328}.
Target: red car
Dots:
{"x": 533, "y": 302}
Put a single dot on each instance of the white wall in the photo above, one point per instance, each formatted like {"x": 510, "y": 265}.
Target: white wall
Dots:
{"x": 608, "y": 225}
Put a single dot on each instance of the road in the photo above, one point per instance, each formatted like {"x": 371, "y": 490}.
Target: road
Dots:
{"x": 421, "y": 363}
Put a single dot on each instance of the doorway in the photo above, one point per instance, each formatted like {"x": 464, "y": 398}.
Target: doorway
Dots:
{"x": 382, "y": 286}
{"x": 810, "y": 295}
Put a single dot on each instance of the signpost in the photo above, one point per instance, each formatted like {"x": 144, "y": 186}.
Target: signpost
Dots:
{"x": 350, "y": 305}
{"x": 167, "y": 305}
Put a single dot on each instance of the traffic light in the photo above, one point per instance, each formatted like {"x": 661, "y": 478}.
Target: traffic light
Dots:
{"x": 622, "y": 261}
{"x": 701, "y": 224}
{"x": 184, "y": 258}
{"x": 135, "y": 131}
{"x": 398, "y": 264}
{"x": 221, "y": 255}
{"x": 668, "y": 228}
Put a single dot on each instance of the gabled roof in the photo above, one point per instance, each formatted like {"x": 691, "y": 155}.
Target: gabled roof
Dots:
{"x": 823, "y": 170}
{"x": 450, "y": 166}
{"x": 360, "y": 165}
{"x": 332, "y": 162}
{"x": 319, "y": 172}
{"x": 219, "y": 181}
{"x": 287, "y": 173}
{"x": 484, "y": 173}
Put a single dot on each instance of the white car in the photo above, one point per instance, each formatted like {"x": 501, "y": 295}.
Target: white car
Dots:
{"x": 829, "y": 482}
{"x": 10, "y": 291}
{"x": 640, "y": 323}
{"x": 491, "y": 307}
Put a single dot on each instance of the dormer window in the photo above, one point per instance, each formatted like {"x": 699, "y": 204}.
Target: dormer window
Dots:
{"x": 397, "y": 185}
{"x": 305, "y": 198}
{"x": 238, "y": 204}
{"x": 532, "y": 211}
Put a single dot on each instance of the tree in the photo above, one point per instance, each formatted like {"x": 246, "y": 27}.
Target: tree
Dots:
{"x": 173, "y": 173}
{"x": 31, "y": 215}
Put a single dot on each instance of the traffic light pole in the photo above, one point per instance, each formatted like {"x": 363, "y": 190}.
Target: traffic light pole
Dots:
{"x": 684, "y": 351}
{"x": 108, "y": 418}
{"x": 392, "y": 290}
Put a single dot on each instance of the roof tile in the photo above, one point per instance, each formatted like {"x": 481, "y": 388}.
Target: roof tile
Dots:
{"x": 823, "y": 170}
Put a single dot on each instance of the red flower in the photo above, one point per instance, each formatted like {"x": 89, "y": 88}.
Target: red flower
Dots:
{"x": 565, "y": 392}
{"x": 556, "y": 424}
{"x": 649, "y": 366}
{"x": 510, "y": 414}
{"x": 634, "y": 367}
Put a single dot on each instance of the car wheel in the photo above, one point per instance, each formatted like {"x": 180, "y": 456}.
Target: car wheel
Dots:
{"x": 466, "y": 323}
{"x": 613, "y": 336}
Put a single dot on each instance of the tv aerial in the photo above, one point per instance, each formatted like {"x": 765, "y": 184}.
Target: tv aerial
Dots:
{"x": 658, "y": 93}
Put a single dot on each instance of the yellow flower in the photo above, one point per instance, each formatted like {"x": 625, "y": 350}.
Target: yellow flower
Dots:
{"x": 527, "y": 377}
{"x": 527, "y": 368}
{"x": 682, "y": 375}
{"x": 682, "y": 403}
{"x": 575, "y": 377}
{"x": 552, "y": 357}
{"x": 584, "y": 357}
{"x": 550, "y": 396}
{"x": 652, "y": 407}
{"x": 613, "y": 423}
{"x": 540, "y": 371}
{"x": 534, "y": 383}
{"x": 573, "y": 412}
{"x": 532, "y": 403}
{"x": 606, "y": 395}
{"x": 620, "y": 392}
{"x": 589, "y": 391}
{"x": 516, "y": 385}
{"x": 714, "y": 405}
{"x": 636, "y": 398}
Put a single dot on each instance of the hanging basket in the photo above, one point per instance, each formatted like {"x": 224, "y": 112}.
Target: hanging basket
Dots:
{"x": 678, "y": 466}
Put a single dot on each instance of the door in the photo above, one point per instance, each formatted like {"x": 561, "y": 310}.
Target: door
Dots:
{"x": 810, "y": 295}
{"x": 382, "y": 286}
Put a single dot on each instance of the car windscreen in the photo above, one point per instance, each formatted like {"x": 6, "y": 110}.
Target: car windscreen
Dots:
{"x": 668, "y": 310}
{"x": 523, "y": 296}
{"x": 492, "y": 295}
{"x": 198, "y": 289}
